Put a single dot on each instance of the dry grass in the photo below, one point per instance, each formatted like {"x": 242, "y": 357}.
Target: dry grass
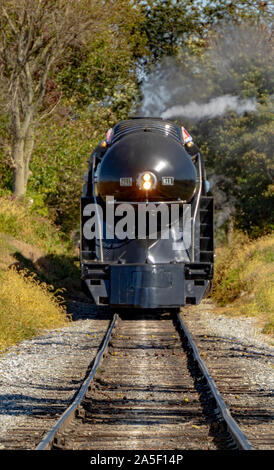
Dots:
{"x": 27, "y": 307}
{"x": 244, "y": 278}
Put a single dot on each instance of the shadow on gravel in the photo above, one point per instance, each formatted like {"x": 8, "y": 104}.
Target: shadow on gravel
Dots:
{"x": 19, "y": 405}
{"x": 83, "y": 310}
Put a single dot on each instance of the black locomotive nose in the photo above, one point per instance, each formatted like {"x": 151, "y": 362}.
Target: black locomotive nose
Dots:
{"x": 147, "y": 166}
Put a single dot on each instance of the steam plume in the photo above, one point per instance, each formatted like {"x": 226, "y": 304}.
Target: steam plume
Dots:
{"x": 215, "y": 107}
{"x": 199, "y": 88}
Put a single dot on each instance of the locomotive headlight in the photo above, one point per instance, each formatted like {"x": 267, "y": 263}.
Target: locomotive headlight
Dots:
{"x": 147, "y": 185}
{"x": 146, "y": 177}
{"x": 147, "y": 181}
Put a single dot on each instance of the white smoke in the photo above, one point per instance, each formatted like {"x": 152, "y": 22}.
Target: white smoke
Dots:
{"x": 185, "y": 86}
{"x": 215, "y": 107}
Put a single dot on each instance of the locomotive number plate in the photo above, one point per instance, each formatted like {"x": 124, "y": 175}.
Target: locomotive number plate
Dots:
{"x": 125, "y": 181}
{"x": 168, "y": 180}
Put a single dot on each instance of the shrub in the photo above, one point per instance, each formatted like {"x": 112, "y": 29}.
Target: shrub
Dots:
{"x": 244, "y": 277}
{"x": 27, "y": 307}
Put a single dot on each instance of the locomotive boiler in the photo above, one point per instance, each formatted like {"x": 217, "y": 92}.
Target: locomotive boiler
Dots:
{"x": 146, "y": 218}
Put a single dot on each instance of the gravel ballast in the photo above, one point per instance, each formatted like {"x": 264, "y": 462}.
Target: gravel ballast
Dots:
{"x": 39, "y": 377}
{"x": 240, "y": 360}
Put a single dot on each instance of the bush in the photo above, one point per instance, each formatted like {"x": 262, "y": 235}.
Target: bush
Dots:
{"x": 26, "y": 307}
{"x": 244, "y": 277}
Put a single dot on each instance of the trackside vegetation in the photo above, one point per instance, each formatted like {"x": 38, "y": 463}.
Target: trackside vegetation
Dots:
{"x": 27, "y": 307}
{"x": 243, "y": 282}
{"x": 38, "y": 267}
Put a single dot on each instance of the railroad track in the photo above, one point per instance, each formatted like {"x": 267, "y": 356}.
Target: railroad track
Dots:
{"x": 148, "y": 388}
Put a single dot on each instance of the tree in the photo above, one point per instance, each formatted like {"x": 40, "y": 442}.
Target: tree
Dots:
{"x": 35, "y": 35}
{"x": 216, "y": 11}
{"x": 103, "y": 72}
{"x": 172, "y": 24}
{"x": 168, "y": 24}
{"x": 239, "y": 147}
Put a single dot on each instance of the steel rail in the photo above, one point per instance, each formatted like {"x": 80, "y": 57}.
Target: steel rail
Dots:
{"x": 48, "y": 439}
{"x": 238, "y": 436}
{"x": 240, "y": 441}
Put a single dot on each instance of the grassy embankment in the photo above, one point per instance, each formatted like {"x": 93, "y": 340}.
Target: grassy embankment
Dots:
{"x": 37, "y": 269}
{"x": 244, "y": 278}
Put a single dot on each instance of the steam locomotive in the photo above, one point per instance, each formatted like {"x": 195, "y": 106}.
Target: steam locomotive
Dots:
{"x": 146, "y": 219}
